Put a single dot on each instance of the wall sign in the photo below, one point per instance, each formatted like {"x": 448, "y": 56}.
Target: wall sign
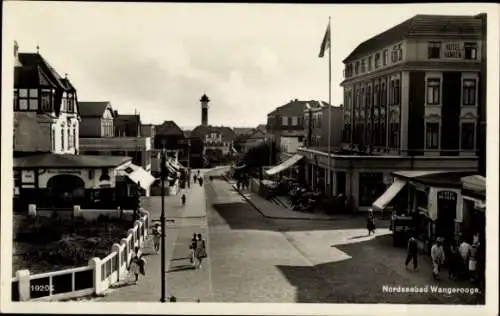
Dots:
{"x": 447, "y": 196}
{"x": 28, "y": 176}
{"x": 453, "y": 50}
{"x": 60, "y": 171}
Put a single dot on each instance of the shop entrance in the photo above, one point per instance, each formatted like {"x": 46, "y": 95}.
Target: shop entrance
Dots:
{"x": 447, "y": 207}
{"x": 66, "y": 190}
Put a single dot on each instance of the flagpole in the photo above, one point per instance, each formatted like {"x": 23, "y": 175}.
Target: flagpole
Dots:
{"x": 329, "y": 104}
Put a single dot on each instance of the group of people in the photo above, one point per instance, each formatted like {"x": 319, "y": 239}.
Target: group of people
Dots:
{"x": 243, "y": 182}
{"x": 198, "y": 250}
{"x": 461, "y": 258}
{"x": 137, "y": 264}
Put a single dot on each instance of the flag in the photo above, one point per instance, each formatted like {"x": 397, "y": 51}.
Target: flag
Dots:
{"x": 326, "y": 42}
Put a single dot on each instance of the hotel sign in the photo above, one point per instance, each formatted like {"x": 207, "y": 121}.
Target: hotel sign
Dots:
{"x": 61, "y": 171}
{"x": 447, "y": 196}
{"x": 453, "y": 50}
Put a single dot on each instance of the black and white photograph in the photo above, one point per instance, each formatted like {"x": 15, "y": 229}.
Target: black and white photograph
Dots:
{"x": 320, "y": 158}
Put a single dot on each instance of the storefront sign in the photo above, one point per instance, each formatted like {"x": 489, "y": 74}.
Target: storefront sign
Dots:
{"x": 28, "y": 176}
{"x": 453, "y": 50}
{"x": 447, "y": 196}
{"x": 61, "y": 171}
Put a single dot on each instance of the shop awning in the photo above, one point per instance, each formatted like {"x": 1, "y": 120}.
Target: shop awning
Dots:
{"x": 284, "y": 165}
{"x": 138, "y": 175}
{"x": 386, "y": 198}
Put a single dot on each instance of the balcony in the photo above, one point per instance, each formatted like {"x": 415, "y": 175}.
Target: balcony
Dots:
{"x": 115, "y": 143}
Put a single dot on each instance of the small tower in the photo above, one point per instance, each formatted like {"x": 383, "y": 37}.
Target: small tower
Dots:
{"x": 204, "y": 110}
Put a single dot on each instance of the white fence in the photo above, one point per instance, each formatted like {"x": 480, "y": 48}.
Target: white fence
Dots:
{"x": 95, "y": 278}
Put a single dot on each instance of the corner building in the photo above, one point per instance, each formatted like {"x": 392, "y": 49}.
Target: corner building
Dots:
{"x": 411, "y": 99}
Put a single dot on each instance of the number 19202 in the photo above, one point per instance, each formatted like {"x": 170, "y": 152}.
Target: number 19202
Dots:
{"x": 42, "y": 288}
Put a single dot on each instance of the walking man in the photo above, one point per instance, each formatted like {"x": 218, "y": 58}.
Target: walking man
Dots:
{"x": 370, "y": 225}
{"x": 412, "y": 253}
{"x": 437, "y": 255}
{"x": 200, "y": 251}
{"x": 192, "y": 249}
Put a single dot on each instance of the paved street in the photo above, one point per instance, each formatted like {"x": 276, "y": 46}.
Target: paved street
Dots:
{"x": 256, "y": 259}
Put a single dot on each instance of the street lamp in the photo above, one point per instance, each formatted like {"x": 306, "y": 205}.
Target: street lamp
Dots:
{"x": 163, "y": 164}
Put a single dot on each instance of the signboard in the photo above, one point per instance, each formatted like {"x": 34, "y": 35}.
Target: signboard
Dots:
{"x": 447, "y": 196}
{"x": 61, "y": 171}
{"x": 28, "y": 176}
{"x": 453, "y": 50}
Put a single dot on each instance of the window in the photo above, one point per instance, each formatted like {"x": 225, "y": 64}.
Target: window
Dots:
{"x": 391, "y": 92}
{"x": 347, "y": 133}
{"x": 370, "y": 63}
{"x": 400, "y": 52}
{"x": 70, "y": 103}
{"x": 363, "y": 66}
{"x": 382, "y": 134}
{"x": 16, "y": 105}
{"x": 433, "y": 91}
{"x": 376, "y": 96}
{"x": 284, "y": 120}
{"x": 91, "y": 174}
{"x": 62, "y": 138}
{"x": 46, "y": 98}
{"x": 377, "y": 60}
{"x": 33, "y": 104}
{"x": 369, "y": 96}
{"x": 432, "y": 135}
{"x": 356, "y": 68}
{"x": 295, "y": 120}
{"x": 394, "y": 54}
{"x": 383, "y": 95}
{"x": 470, "y": 50}
{"x": 53, "y": 140}
{"x": 397, "y": 91}
{"x": 386, "y": 57}
{"x": 319, "y": 120}
{"x": 434, "y": 50}
{"x": 23, "y": 93}
{"x": 394, "y": 135}
{"x": 69, "y": 138}
{"x": 74, "y": 137}
{"x": 467, "y": 136}
{"x": 33, "y": 93}
{"x": 469, "y": 92}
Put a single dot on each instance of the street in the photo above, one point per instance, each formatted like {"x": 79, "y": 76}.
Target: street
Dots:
{"x": 255, "y": 259}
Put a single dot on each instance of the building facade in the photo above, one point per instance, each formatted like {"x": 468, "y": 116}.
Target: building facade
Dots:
{"x": 316, "y": 125}
{"x": 97, "y": 119}
{"x": 410, "y": 103}
{"x": 127, "y": 125}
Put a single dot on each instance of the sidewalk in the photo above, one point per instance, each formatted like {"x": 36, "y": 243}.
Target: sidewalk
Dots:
{"x": 274, "y": 211}
{"x": 148, "y": 288}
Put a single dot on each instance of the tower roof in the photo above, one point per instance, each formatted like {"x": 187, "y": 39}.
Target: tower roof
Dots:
{"x": 204, "y": 98}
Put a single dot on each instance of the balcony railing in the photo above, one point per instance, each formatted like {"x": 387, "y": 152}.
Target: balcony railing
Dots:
{"x": 115, "y": 143}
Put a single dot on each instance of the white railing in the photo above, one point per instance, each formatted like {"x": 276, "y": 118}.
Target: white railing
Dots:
{"x": 95, "y": 278}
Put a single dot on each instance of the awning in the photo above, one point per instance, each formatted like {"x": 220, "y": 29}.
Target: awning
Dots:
{"x": 396, "y": 187}
{"x": 138, "y": 175}
{"x": 284, "y": 165}
{"x": 239, "y": 167}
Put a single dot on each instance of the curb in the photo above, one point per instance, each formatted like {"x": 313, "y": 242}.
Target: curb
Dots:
{"x": 281, "y": 217}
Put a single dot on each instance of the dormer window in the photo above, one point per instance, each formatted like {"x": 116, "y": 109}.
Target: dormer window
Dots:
{"x": 46, "y": 100}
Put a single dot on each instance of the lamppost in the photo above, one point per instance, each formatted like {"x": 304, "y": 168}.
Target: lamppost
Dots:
{"x": 163, "y": 164}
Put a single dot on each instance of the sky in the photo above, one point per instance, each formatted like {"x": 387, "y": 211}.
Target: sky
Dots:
{"x": 160, "y": 58}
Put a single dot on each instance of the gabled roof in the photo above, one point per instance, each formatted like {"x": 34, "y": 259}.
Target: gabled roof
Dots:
{"x": 93, "y": 109}
{"x": 168, "y": 128}
{"x": 296, "y": 107}
{"x": 242, "y": 130}
{"x": 27, "y": 76}
{"x": 35, "y": 61}
{"x": 69, "y": 161}
{"x": 227, "y": 133}
{"x": 419, "y": 25}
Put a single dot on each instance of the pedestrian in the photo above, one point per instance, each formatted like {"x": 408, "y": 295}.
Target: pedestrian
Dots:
{"x": 194, "y": 178}
{"x": 156, "y": 237}
{"x": 200, "y": 251}
{"x": 183, "y": 199}
{"x": 134, "y": 266}
{"x": 437, "y": 255}
{"x": 473, "y": 260}
{"x": 464, "y": 252}
{"x": 192, "y": 248}
{"x": 453, "y": 261}
{"x": 370, "y": 225}
{"x": 200, "y": 180}
{"x": 412, "y": 253}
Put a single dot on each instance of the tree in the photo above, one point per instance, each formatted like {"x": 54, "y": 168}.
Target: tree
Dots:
{"x": 258, "y": 156}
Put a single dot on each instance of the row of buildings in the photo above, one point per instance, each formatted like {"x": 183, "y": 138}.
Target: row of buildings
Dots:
{"x": 411, "y": 126}
{"x": 68, "y": 151}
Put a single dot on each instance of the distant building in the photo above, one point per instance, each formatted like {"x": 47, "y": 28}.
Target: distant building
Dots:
{"x": 218, "y": 142}
{"x": 148, "y": 130}
{"x": 97, "y": 119}
{"x": 316, "y": 125}
{"x": 410, "y": 103}
{"x": 286, "y": 127}
{"x": 168, "y": 136}
{"x": 256, "y": 137}
{"x": 127, "y": 125}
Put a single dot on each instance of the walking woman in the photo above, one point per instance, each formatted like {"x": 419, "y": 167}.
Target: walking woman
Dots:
{"x": 135, "y": 264}
{"x": 192, "y": 249}
{"x": 437, "y": 255}
{"x": 156, "y": 237}
{"x": 201, "y": 251}
{"x": 370, "y": 225}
